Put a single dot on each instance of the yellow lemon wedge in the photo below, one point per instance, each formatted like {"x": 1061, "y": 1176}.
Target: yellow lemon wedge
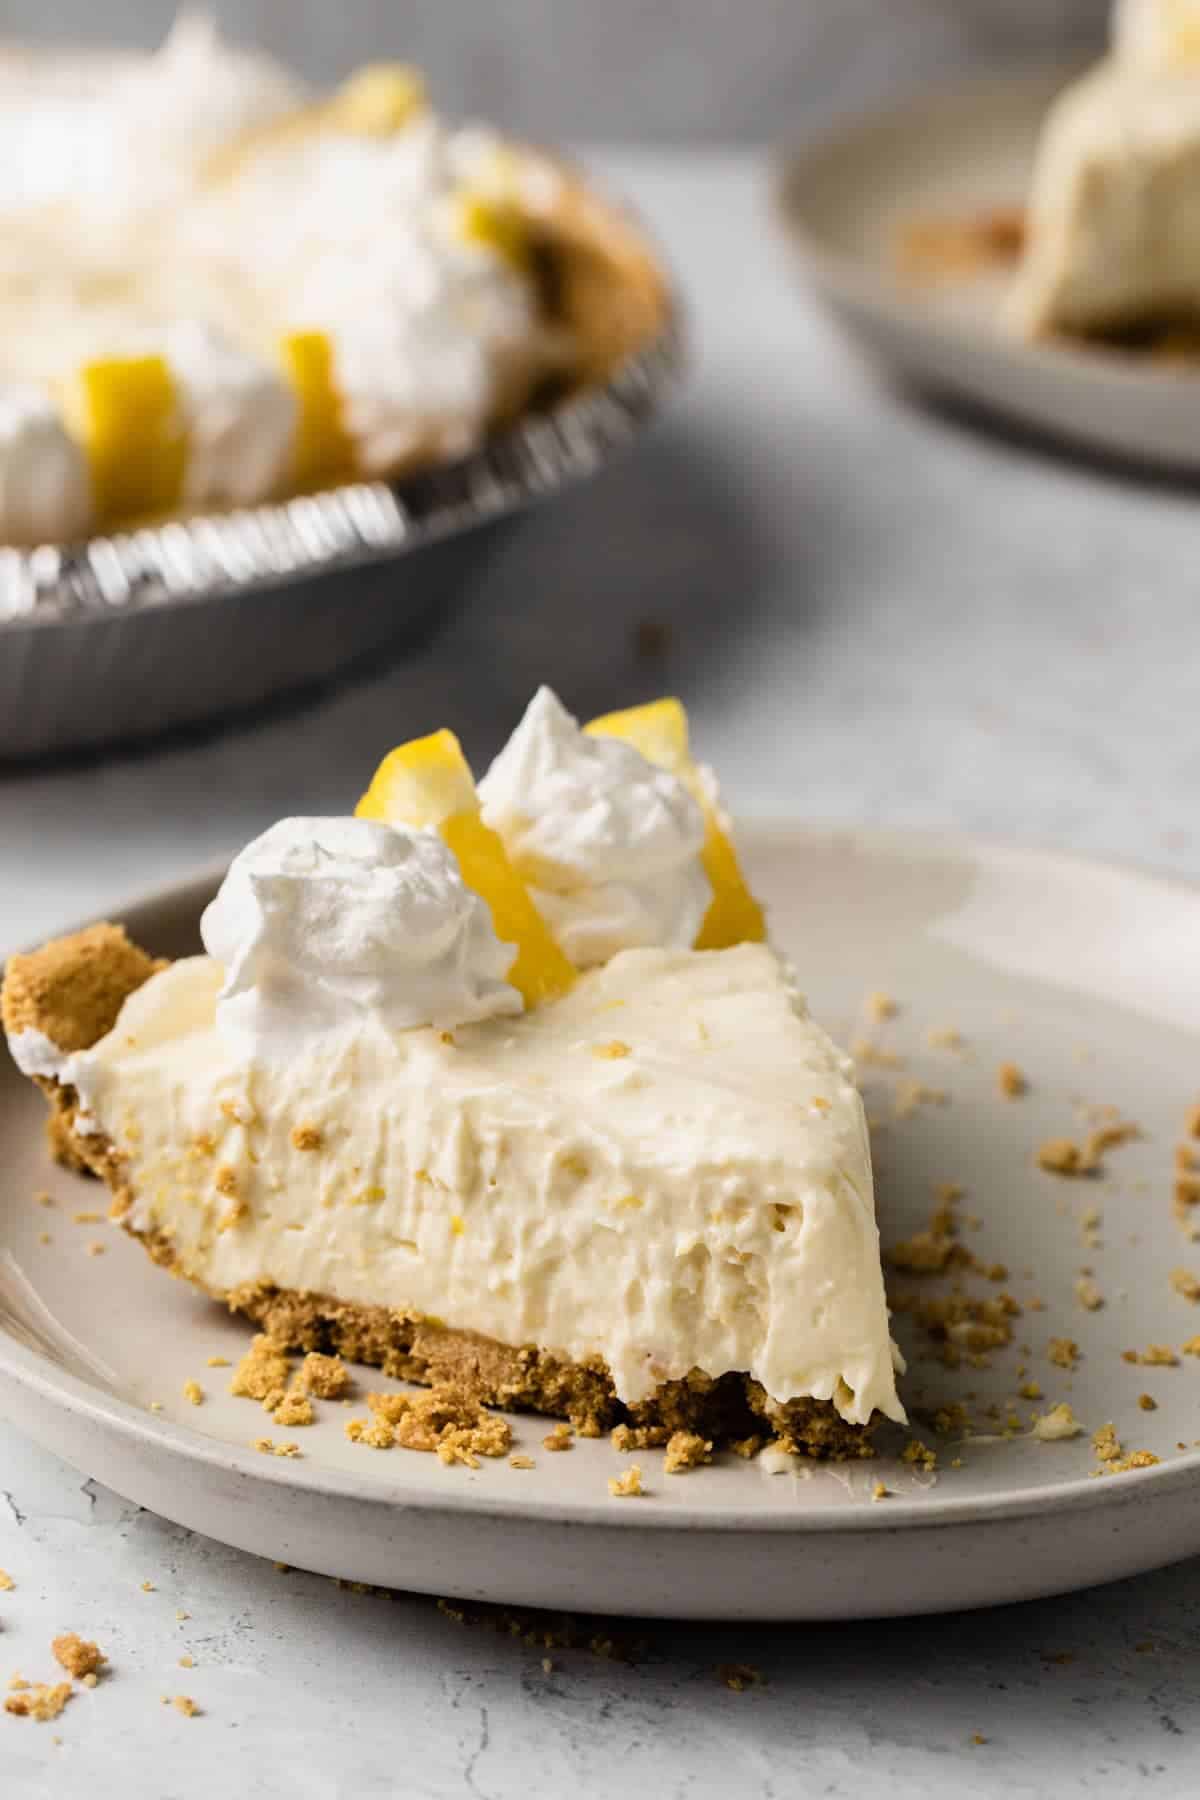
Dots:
{"x": 125, "y": 411}
{"x": 323, "y": 449}
{"x": 378, "y": 100}
{"x": 428, "y": 784}
{"x": 497, "y": 224}
{"x": 660, "y": 732}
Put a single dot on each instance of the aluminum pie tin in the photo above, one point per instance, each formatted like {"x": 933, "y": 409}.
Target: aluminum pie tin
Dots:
{"x": 145, "y": 631}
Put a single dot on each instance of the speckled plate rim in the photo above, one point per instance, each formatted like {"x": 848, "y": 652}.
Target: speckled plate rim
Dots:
{"x": 41, "y": 1380}
{"x": 220, "y": 555}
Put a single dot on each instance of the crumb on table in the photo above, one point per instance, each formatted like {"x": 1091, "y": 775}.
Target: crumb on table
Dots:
{"x": 77, "y": 1655}
{"x": 627, "y": 1486}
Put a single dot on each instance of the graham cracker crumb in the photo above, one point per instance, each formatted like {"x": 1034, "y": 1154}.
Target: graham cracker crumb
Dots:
{"x": 1137, "y": 1459}
{"x": 327, "y": 1377}
{"x": 186, "y": 1705}
{"x": 613, "y": 1050}
{"x": 1030, "y": 1390}
{"x": 43, "y": 1198}
{"x": 737, "y": 1677}
{"x": 95, "y": 1249}
{"x": 880, "y": 1006}
{"x": 1106, "y": 1444}
{"x": 749, "y": 1447}
{"x": 307, "y": 1137}
{"x": 187, "y": 1662}
{"x": 87, "y": 1218}
{"x": 1154, "y": 1356}
{"x": 866, "y": 1051}
{"x": 686, "y": 1450}
{"x": 148, "y": 1587}
{"x": 559, "y": 1438}
{"x": 1186, "y": 1284}
{"x": 292, "y": 1450}
{"x": 1186, "y": 1195}
{"x": 944, "y": 1037}
{"x": 77, "y": 1655}
{"x": 1191, "y": 1347}
{"x": 227, "y": 1181}
{"x": 1059, "y": 1422}
{"x": 1064, "y": 1352}
{"x": 879, "y": 1492}
{"x": 1062, "y": 1156}
{"x": 294, "y": 1409}
{"x": 43, "y": 1701}
{"x": 262, "y": 1370}
{"x": 1088, "y": 1294}
{"x": 7, "y": 1584}
{"x": 627, "y": 1486}
{"x": 1191, "y": 1123}
{"x": 1187, "y": 1161}
{"x": 919, "y": 1454}
{"x": 977, "y": 1737}
{"x": 1148, "y": 1403}
{"x": 1011, "y": 1081}
{"x": 547, "y": 1666}
{"x": 194, "y": 1392}
{"x": 1111, "y": 1137}
{"x": 447, "y": 1421}
{"x": 521, "y": 1462}
{"x": 911, "y": 1095}
{"x": 265, "y": 1446}
{"x": 217, "y": 1362}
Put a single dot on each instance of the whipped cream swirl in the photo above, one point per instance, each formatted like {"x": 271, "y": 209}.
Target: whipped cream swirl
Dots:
{"x": 609, "y": 844}
{"x": 44, "y": 487}
{"x": 324, "y": 923}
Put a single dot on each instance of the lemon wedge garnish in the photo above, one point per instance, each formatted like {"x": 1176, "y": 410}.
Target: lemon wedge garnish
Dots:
{"x": 125, "y": 411}
{"x": 660, "y": 732}
{"x": 497, "y": 224}
{"x": 427, "y": 784}
{"x": 323, "y": 449}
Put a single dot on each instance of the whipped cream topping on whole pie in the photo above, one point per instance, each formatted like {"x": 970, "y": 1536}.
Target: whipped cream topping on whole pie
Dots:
{"x": 222, "y": 288}
{"x": 1112, "y": 239}
{"x": 384, "y": 1110}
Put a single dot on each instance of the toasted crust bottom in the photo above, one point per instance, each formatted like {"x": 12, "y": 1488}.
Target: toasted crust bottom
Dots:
{"x": 72, "y": 990}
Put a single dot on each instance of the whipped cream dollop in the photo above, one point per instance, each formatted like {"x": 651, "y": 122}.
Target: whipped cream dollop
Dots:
{"x": 331, "y": 922}
{"x": 609, "y": 844}
{"x": 45, "y": 492}
{"x": 238, "y": 412}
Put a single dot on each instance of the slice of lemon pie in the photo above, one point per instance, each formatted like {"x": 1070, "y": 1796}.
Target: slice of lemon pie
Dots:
{"x": 502, "y": 1086}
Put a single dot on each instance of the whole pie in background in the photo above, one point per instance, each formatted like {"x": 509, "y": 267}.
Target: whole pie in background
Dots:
{"x": 217, "y": 288}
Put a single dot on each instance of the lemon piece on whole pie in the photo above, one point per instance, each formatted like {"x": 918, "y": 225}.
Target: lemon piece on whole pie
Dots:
{"x": 125, "y": 411}
{"x": 323, "y": 448}
{"x": 378, "y": 100}
{"x": 660, "y": 731}
{"x": 427, "y": 784}
{"x": 496, "y": 224}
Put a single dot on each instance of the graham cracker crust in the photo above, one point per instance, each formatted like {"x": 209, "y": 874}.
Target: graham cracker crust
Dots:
{"x": 72, "y": 990}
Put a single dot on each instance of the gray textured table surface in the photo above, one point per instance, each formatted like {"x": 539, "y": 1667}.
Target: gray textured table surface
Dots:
{"x": 874, "y": 613}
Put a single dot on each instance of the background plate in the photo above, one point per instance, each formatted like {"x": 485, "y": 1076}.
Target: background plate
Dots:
{"x": 844, "y": 199}
{"x": 1084, "y": 975}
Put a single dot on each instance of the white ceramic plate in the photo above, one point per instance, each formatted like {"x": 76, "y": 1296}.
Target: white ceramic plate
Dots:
{"x": 844, "y": 200}
{"x": 1086, "y": 976}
